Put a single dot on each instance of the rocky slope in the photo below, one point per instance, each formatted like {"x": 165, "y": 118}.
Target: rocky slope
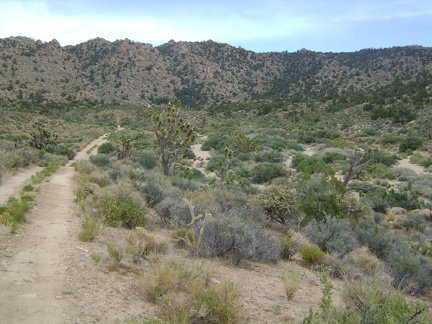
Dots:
{"x": 34, "y": 73}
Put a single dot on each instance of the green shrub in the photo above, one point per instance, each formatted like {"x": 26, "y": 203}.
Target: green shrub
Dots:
{"x": 376, "y": 303}
{"x": 332, "y": 235}
{"x": 152, "y": 193}
{"x": 147, "y": 160}
{"x": 173, "y": 211}
{"x": 381, "y": 199}
{"x": 121, "y": 211}
{"x": 312, "y": 254}
{"x": 100, "y": 160}
{"x": 427, "y": 162}
{"x": 237, "y": 238}
{"x": 14, "y": 213}
{"x": 320, "y": 196}
{"x": 279, "y": 202}
{"x": 331, "y": 157}
{"x": 311, "y": 165}
{"x": 243, "y": 157}
{"x": 390, "y": 139}
{"x": 409, "y": 144}
{"x": 67, "y": 151}
{"x": 28, "y": 188}
{"x": 106, "y": 148}
{"x": 383, "y": 158}
{"x": 291, "y": 242}
{"x": 192, "y": 174}
{"x": 215, "y": 141}
{"x": 220, "y": 304}
{"x": 264, "y": 172}
{"x": 268, "y": 156}
{"x": 216, "y": 160}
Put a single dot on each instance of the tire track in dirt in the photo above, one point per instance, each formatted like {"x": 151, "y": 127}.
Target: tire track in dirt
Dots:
{"x": 34, "y": 277}
{"x": 12, "y": 186}
{"x": 31, "y": 287}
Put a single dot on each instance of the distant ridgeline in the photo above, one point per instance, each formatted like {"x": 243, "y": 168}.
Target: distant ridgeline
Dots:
{"x": 210, "y": 75}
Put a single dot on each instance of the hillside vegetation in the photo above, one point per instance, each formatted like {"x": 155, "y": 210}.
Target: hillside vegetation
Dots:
{"x": 322, "y": 160}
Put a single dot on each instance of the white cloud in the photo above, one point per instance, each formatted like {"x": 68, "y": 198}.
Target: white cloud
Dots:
{"x": 34, "y": 19}
{"x": 222, "y": 21}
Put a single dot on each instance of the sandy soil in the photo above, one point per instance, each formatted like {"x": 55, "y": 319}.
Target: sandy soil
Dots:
{"x": 201, "y": 157}
{"x": 34, "y": 262}
{"x": 419, "y": 169}
{"x": 11, "y": 186}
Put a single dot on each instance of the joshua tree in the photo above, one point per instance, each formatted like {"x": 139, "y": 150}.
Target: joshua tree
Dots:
{"x": 172, "y": 133}
{"x": 43, "y": 139}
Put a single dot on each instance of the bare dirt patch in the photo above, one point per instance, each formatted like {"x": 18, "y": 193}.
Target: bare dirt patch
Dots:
{"x": 12, "y": 185}
{"x": 405, "y": 163}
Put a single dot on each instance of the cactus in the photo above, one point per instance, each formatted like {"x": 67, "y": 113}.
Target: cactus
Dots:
{"x": 195, "y": 240}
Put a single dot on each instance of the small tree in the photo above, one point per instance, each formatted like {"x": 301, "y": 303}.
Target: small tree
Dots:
{"x": 129, "y": 143}
{"x": 43, "y": 139}
{"x": 172, "y": 133}
{"x": 279, "y": 203}
{"x": 359, "y": 161}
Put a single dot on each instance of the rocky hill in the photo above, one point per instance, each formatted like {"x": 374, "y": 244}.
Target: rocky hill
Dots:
{"x": 34, "y": 73}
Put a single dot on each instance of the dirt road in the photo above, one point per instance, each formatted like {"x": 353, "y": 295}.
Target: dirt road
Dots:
{"x": 33, "y": 275}
{"x": 12, "y": 186}
{"x": 33, "y": 280}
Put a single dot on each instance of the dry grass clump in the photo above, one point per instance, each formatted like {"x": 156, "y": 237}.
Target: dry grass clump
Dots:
{"x": 184, "y": 292}
{"x": 362, "y": 263}
{"x": 291, "y": 281}
{"x": 291, "y": 242}
{"x": 140, "y": 245}
{"x": 91, "y": 227}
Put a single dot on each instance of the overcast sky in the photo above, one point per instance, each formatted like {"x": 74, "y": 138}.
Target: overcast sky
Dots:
{"x": 260, "y": 26}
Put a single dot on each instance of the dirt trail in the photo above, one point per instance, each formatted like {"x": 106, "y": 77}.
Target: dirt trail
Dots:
{"x": 33, "y": 281}
{"x": 405, "y": 163}
{"x": 12, "y": 186}
{"x": 83, "y": 155}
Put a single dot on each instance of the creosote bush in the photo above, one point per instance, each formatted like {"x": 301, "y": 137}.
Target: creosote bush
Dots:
{"x": 100, "y": 160}
{"x": 147, "y": 160}
{"x": 121, "y": 211}
{"x": 106, "y": 148}
{"x": 312, "y": 254}
{"x": 265, "y": 172}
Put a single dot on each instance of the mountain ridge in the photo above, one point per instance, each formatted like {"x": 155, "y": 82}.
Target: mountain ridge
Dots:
{"x": 200, "y": 74}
